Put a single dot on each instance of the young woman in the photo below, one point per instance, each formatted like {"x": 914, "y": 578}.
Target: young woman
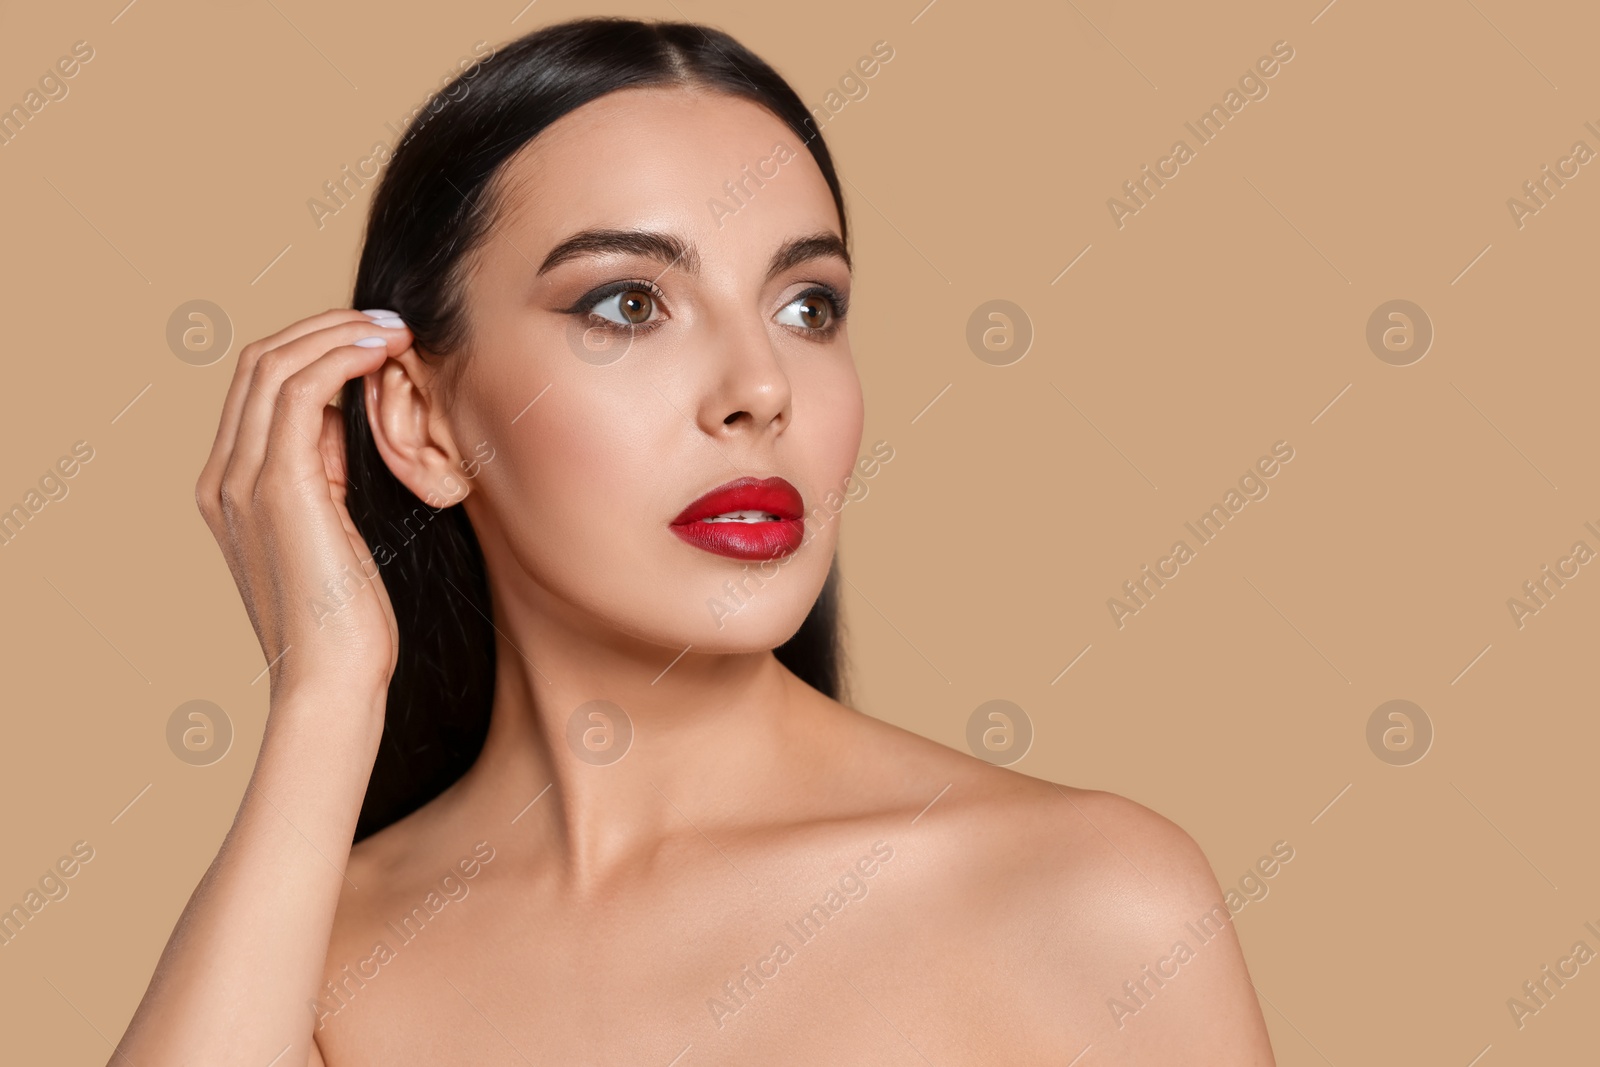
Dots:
{"x": 540, "y": 554}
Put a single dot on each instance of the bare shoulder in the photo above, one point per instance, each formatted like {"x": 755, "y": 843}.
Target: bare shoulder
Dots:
{"x": 1161, "y": 974}
{"x": 374, "y": 877}
{"x": 395, "y": 883}
{"x": 1106, "y": 837}
{"x": 1094, "y": 832}
{"x": 1106, "y": 913}
{"x": 400, "y": 864}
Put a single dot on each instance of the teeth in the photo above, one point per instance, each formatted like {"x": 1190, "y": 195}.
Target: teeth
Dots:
{"x": 742, "y": 516}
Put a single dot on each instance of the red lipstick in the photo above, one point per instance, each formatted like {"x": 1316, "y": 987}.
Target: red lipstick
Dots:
{"x": 749, "y": 518}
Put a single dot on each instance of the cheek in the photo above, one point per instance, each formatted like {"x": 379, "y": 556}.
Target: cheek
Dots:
{"x": 571, "y": 455}
{"x": 830, "y": 426}
{"x": 576, "y": 480}
{"x": 575, "y": 506}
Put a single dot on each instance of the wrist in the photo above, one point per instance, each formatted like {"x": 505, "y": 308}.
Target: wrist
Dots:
{"x": 329, "y": 713}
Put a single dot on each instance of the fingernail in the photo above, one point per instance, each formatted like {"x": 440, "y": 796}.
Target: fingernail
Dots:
{"x": 371, "y": 342}
{"x": 381, "y": 313}
{"x": 391, "y": 323}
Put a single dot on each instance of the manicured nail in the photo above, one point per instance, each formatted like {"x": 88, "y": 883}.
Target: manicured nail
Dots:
{"x": 371, "y": 342}
{"x": 391, "y": 323}
{"x": 380, "y": 313}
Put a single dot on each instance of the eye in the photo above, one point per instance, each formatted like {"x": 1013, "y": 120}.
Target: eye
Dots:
{"x": 817, "y": 310}
{"x": 626, "y": 307}
{"x": 626, "y": 304}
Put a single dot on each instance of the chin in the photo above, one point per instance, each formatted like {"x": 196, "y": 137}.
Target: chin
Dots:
{"x": 731, "y": 642}
{"x": 756, "y": 625}
{"x": 762, "y": 604}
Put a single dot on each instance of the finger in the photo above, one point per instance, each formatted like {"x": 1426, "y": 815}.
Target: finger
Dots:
{"x": 294, "y": 453}
{"x": 239, "y": 388}
{"x": 332, "y": 317}
{"x": 262, "y": 402}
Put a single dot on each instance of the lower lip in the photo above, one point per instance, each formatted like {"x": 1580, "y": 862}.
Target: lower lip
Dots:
{"x": 744, "y": 540}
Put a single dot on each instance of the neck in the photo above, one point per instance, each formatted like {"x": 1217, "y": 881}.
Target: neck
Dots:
{"x": 701, "y": 737}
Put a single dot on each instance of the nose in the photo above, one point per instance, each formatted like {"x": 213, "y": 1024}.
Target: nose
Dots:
{"x": 746, "y": 391}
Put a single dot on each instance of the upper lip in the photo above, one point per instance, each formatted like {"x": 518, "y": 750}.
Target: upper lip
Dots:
{"x": 773, "y": 495}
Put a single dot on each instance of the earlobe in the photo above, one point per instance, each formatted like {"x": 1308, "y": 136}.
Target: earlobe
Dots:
{"x": 412, "y": 436}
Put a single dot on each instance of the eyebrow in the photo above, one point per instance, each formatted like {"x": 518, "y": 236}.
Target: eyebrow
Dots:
{"x": 670, "y": 249}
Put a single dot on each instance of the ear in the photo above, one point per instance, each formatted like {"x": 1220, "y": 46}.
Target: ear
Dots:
{"x": 406, "y": 414}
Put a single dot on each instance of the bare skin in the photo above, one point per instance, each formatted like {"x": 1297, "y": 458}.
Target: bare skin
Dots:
{"x": 548, "y": 908}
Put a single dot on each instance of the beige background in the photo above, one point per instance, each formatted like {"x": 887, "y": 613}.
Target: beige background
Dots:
{"x": 1228, "y": 314}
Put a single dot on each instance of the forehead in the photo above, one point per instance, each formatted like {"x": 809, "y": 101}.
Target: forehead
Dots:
{"x": 686, "y": 160}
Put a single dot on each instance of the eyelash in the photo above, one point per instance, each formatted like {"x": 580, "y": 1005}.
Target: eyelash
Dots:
{"x": 840, "y": 306}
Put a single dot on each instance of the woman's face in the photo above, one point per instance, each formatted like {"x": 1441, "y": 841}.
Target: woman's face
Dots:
{"x": 687, "y": 339}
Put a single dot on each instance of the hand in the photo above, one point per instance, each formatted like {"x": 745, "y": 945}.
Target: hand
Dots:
{"x": 272, "y": 493}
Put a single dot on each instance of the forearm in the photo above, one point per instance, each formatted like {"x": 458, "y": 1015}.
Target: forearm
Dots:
{"x": 246, "y": 956}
